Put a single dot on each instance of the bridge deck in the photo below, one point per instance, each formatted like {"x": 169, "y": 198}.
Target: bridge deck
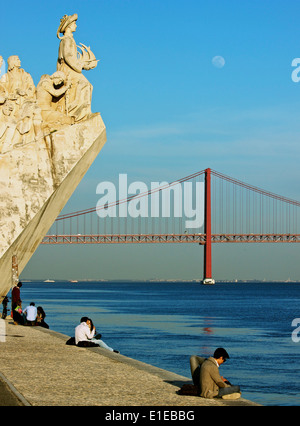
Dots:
{"x": 169, "y": 238}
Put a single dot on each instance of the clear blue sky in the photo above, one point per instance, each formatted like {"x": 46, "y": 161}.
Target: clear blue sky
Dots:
{"x": 169, "y": 112}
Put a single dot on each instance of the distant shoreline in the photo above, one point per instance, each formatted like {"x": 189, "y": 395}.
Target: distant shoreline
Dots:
{"x": 157, "y": 281}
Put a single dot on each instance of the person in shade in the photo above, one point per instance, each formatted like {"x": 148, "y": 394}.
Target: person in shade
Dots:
{"x": 15, "y": 300}
{"x": 4, "y": 303}
{"x": 18, "y": 315}
{"x": 206, "y": 375}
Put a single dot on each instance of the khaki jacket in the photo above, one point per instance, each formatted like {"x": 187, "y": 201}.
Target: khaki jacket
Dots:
{"x": 210, "y": 379}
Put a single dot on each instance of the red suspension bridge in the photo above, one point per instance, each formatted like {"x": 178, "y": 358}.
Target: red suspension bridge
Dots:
{"x": 206, "y": 207}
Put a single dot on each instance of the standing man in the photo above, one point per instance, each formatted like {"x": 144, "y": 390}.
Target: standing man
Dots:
{"x": 4, "y": 303}
{"x": 16, "y": 295}
{"x": 15, "y": 298}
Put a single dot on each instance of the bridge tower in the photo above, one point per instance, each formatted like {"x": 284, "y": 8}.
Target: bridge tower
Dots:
{"x": 207, "y": 271}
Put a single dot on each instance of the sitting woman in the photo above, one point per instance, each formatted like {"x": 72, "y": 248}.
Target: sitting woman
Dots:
{"x": 97, "y": 339}
{"x": 40, "y": 319}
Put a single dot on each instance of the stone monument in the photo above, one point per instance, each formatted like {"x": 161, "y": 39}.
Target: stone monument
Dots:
{"x": 49, "y": 137}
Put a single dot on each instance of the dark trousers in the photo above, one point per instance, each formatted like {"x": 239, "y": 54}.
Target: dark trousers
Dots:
{"x": 18, "y": 318}
{"x": 228, "y": 391}
{"x": 87, "y": 344}
{"x": 4, "y": 312}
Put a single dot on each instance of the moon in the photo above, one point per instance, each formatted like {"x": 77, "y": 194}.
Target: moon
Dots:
{"x": 218, "y": 61}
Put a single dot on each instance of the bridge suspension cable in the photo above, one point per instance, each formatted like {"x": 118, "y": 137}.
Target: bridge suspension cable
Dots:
{"x": 126, "y": 200}
{"x": 237, "y": 208}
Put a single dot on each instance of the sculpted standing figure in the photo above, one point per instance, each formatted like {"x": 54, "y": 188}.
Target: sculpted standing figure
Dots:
{"x": 20, "y": 111}
{"x": 72, "y": 62}
{"x": 8, "y": 125}
{"x": 3, "y": 92}
{"x": 18, "y": 83}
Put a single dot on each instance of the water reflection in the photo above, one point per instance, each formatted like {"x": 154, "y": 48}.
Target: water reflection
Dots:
{"x": 208, "y": 322}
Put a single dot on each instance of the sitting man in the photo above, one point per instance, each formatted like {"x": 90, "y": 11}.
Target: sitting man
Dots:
{"x": 84, "y": 335}
{"x": 205, "y": 374}
{"x": 31, "y": 314}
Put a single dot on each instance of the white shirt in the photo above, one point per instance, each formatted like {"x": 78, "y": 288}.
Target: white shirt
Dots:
{"x": 216, "y": 362}
{"x": 31, "y": 313}
{"x": 83, "y": 333}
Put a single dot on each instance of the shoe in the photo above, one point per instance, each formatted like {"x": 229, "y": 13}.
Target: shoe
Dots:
{"x": 235, "y": 395}
{"x": 116, "y": 352}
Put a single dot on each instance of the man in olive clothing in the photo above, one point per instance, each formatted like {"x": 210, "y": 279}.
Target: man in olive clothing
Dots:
{"x": 205, "y": 373}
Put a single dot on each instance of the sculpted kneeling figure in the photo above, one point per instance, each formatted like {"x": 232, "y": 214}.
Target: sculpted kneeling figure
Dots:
{"x": 51, "y": 98}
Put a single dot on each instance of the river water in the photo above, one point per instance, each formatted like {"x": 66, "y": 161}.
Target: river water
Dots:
{"x": 163, "y": 323}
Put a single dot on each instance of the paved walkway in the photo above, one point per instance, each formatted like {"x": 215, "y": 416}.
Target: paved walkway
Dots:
{"x": 39, "y": 369}
{"x": 9, "y": 396}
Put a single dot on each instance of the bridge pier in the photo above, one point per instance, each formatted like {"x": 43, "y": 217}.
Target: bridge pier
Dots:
{"x": 207, "y": 270}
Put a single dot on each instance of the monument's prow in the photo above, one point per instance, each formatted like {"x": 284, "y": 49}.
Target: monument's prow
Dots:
{"x": 48, "y": 140}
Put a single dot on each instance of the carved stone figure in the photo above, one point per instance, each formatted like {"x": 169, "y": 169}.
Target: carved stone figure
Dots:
{"x": 18, "y": 83}
{"x": 2, "y": 66}
{"x": 3, "y": 92}
{"x": 51, "y": 97}
{"x": 29, "y": 126}
{"x": 7, "y": 126}
{"x": 72, "y": 62}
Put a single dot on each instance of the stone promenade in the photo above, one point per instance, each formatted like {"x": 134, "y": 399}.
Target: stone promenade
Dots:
{"x": 39, "y": 369}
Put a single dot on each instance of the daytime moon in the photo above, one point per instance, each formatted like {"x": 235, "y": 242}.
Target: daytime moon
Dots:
{"x": 218, "y": 61}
